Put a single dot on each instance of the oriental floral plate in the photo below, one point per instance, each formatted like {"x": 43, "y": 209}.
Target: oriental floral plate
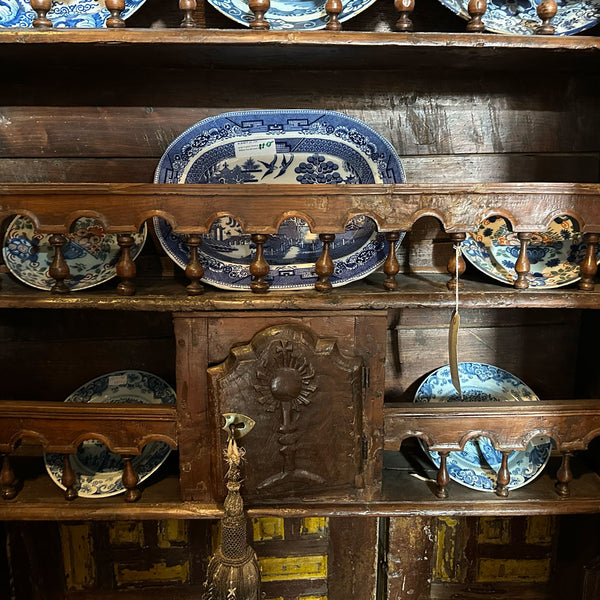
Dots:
{"x": 554, "y": 255}
{"x": 519, "y": 17}
{"x": 98, "y": 471}
{"x": 68, "y": 13}
{"x": 289, "y": 146}
{"x": 290, "y": 14}
{"x": 90, "y": 254}
{"x": 477, "y": 465}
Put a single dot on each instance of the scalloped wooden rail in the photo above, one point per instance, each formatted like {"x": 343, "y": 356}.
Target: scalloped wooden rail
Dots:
{"x": 260, "y": 208}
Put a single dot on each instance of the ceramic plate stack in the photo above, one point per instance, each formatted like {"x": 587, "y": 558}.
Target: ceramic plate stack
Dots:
{"x": 279, "y": 146}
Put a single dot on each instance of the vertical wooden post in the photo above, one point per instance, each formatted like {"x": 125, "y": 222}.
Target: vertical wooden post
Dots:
{"x": 564, "y": 475}
{"x": 130, "y": 481}
{"x": 8, "y": 482}
{"x": 68, "y": 479}
{"x": 522, "y": 265}
{"x": 476, "y": 10}
{"x": 59, "y": 270}
{"x": 503, "y": 476}
{"x": 259, "y": 267}
{"x": 443, "y": 479}
{"x": 194, "y": 270}
{"x": 546, "y": 11}
{"x": 454, "y": 281}
{"x": 126, "y": 267}
{"x": 324, "y": 266}
{"x": 41, "y": 8}
{"x": 115, "y": 8}
{"x": 333, "y": 8}
{"x": 259, "y": 8}
{"x": 187, "y": 7}
{"x": 391, "y": 265}
{"x": 405, "y": 8}
{"x": 589, "y": 265}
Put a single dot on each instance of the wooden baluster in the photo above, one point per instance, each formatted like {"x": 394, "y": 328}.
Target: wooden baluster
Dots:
{"x": 391, "y": 265}
{"x": 59, "y": 270}
{"x": 68, "y": 479}
{"x": 130, "y": 481}
{"x": 41, "y": 8}
{"x": 188, "y": 7}
{"x": 546, "y": 11}
{"x": 333, "y": 8}
{"x": 324, "y": 266}
{"x": 259, "y": 8}
{"x": 443, "y": 479}
{"x": 115, "y": 8}
{"x": 405, "y": 8}
{"x": 456, "y": 238}
{"x": 194, "y": 270}
{"x": 126, "y": 267}
{"x": 476, "y": 10}
{"x": 564, "y": 475}
{"x": 259, "y": 267}
{"x": 589, "y": 266}
{"x": 522, "y": 265}
{"x": 8, "y": 482}
{"x": 503, "y": 476}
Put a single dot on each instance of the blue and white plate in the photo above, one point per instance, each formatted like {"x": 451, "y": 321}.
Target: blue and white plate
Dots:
{"x": 477, "y": 465}
{"x": 99, "y": 472}
{"x": 69, "y": 13}
{"x": 279, "y": 146}
{"x": 90, "y": 254}
{"x": 290, "y": 14}
{"x": 519, "y": 17}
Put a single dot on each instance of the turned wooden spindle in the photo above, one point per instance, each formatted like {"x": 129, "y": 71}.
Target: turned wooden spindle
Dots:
{"x": 522, "y": 265}
{"x": 259, "y": 8}
{"x": 115, "y": 8}
{"x": 405, "y": 8}
{"x": 391, "y": 266}
{"x": 564, "y": 475}
{"x": 589, "y": 266}
{"x": 443, "y": 479}
{"x": 126, "y": 267}
{"x": 194, "y": 270}
{"x": 476, "y": 10}
{"x": 59, "y": 270}
{"x": 259, "y": 267}
{"x": 187, "y": 7}
{"x": 130, "y": 481}
{"x": 324, "y": 266}
{"x": 503, "y": 476}
{"x": 8, "y": 482}
{"x": 454, "y": 281}
{"x": 546, "y": 11}
{"x": 41, "y": 8}
{"x": 333, "y": 8}
{"x": 68, "y": 479}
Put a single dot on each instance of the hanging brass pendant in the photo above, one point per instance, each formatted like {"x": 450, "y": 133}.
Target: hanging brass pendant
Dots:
{"x": 453, "y": 351}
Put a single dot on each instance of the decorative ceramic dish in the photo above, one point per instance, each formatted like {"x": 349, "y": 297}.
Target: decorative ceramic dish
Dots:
{"x": 291, "y": 146}
{"x": 99, "y": 472}
{"x": 519, "y": 17}
{"x": 91, "y": 254}
{"x": 290, "y": 14}
{"x": 477, "y": 465}
{"x": 70, "y": 13}
{"x": 554, "y": 255}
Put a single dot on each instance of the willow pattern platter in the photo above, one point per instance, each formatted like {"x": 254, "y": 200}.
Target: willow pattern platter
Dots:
{"x": 477, "y": 465}
{"x": 520, "y": 17}
{"x": 291, "y": 146}
{"x": 70, "y": 13}
{"x": 90, "y": 254}
{"x": 99, "y": 472}
{"x": 290, "y": 14}
{"x": 554, "y": 255}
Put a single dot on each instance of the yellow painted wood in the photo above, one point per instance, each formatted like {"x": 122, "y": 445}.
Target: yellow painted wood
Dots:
{"x": 494, "y": 530}
{"x": 171, "y": 532}
{"x": 540, "y": 529}
{"x": 498, "y": 569}
{"x": 312, "y": 598}
{"x": 77, "y": 552}
{"x": 278, "y": 598}
{"x": 314, "y": 525}
{"x": 274, "y": 568}
{"x": 268, "y": 528}
{"x": 445, "y": 564}
{"x": 158, "y": 572}
{"x": 126, "y": 532}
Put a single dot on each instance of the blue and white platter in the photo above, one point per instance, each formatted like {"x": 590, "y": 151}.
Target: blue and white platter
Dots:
{"x": 70, "y": 13}
{"x": 519, "y": 17}
{"x": 279, "y": 146}
{"x": 290, "y": 14}
{"x": 90, "y": 254}
{"x": 477, "y": 465}
{"x": 98, "y": 471}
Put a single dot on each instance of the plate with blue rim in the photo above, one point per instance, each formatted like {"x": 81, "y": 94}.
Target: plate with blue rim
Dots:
{"x": 99, "y": 471}
{"x": 519, "y": 17}
{"x": 90, "y": 253}
{"x": 554, "y": 255}
{"x": 477, "y": 465}
{"x": 69, "y": 13}
{"x": 290, "y": 14}
{"x": 276, "y": 147}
